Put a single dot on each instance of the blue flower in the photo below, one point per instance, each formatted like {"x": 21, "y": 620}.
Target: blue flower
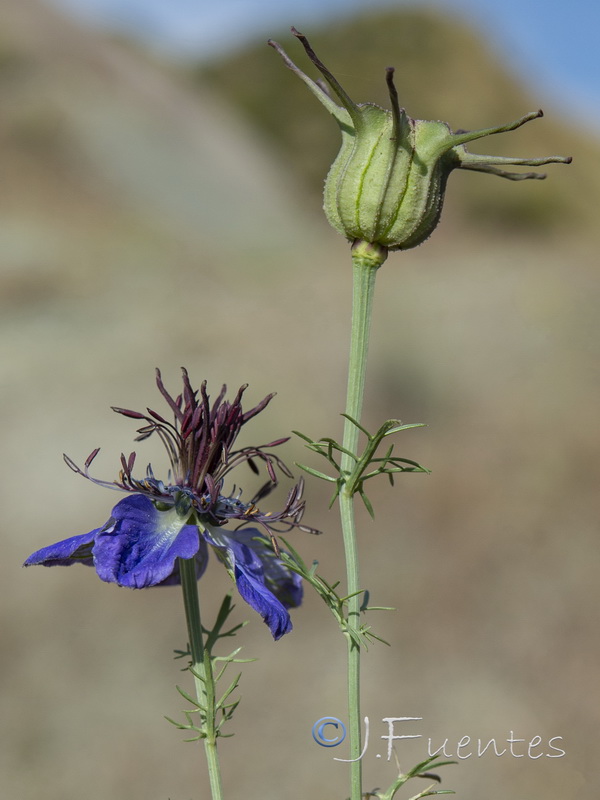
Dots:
{"x": 159, "y": 523}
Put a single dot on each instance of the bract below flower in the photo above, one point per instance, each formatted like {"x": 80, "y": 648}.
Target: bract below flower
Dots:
{"x": 161, "y": 522}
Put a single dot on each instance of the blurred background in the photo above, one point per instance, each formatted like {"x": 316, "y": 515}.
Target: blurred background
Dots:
{"x": 161, "y": 174}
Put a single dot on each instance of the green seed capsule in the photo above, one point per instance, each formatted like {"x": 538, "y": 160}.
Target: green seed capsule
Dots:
{"x": 387, "y": 184}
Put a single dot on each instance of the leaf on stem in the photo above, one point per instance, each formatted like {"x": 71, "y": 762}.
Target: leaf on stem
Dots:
{"x": 367, "y": 465}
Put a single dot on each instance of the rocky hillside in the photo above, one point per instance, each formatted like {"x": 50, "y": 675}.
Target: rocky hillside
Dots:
{"x": 101, "y": 145}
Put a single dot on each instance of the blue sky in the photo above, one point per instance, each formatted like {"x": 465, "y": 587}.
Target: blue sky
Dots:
{"x": 554, "y": 45}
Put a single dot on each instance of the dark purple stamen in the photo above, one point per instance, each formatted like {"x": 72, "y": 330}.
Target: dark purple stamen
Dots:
{"x": 199, "y": 443}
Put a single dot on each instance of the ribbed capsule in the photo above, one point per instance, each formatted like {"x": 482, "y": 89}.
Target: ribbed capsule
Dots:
{"x": 387, "y": 183}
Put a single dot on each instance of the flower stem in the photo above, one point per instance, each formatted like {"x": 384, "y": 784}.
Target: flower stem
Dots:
{"x": 201, "y": 668}
{"x": 366, "y": 259}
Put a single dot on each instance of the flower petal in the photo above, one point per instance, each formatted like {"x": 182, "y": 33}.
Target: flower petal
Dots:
{"x": 75, "y": 550}
{"x": 139, "y": 546}
{"x": 200, "y": 561}
{"x": 246, "y": 563}
{"x": 285, "y": 584}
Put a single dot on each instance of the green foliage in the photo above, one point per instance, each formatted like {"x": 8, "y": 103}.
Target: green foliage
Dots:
{"x": 366, "y": 466}
{"x": 220, "y": 709}
{"x": 362, "y": 635}
{"x": 421, "y": 770}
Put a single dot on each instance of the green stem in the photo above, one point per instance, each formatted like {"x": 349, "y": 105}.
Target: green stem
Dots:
{"x": 366, "y": 259}
{"x": 202, "y": 670}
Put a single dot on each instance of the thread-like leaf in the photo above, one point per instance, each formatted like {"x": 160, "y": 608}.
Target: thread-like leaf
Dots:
{"x": 190, "y": 699}
{"x": 315, "y": 473}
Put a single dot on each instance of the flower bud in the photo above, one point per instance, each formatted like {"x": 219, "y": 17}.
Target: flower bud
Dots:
{"x": 387, "y": 184}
